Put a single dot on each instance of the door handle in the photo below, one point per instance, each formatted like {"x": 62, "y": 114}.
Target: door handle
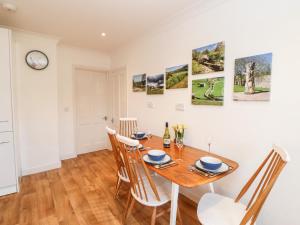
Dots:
{"x": 105, "y": 118}
{"x": 112, "y": 120}
{"x": 4, "y": 142}
{"x": 3, "y": 121}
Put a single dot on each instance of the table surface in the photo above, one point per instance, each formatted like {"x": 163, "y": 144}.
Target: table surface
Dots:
{"x": 180, "y": 174}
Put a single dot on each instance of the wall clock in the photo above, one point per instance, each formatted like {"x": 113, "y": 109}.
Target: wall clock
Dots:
{"x": 36, "y": 60}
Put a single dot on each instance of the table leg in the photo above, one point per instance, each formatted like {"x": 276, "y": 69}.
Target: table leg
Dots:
{"x": 174, "y": 203}
{"x": 211, "y": 186}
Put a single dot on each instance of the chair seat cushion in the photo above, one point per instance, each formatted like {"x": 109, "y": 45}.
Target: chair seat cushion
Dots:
{"x": 163, "y": 187}
{"x": 215, "y": 209}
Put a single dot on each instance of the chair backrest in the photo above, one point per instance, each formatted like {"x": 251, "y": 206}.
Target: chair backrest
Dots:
{"x": 137, "y": 169}
{"x": 116, "y": 151}
{"x": 272, "y": 166}
{"x": 127, "y": 126}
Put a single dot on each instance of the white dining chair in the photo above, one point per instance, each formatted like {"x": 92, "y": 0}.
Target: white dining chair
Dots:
{"x": 215, "y": 209}
{"x": 122, "y": 175}
{"x": 151, "y": 191}
{"x": 127, "y": 126}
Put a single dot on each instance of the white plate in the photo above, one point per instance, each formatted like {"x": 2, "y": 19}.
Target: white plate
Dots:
{"x": 165, "y": 160}
{"x": 224, "y": 168}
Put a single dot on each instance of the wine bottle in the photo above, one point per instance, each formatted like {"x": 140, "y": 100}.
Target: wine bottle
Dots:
{"x": 167, "y": 137}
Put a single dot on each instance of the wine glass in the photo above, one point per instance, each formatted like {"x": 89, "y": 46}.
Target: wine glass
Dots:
{"x": 209, "y": 141}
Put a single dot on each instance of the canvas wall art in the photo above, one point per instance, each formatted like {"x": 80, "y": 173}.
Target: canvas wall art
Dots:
{"x": 208, "y": 59}
{"x": 177, "y": 77}
{"x": 139, "y": 83}
{"x": 155, "y": 84}
{"x": 208, "y": 91}
{"x": 252, "y": 78}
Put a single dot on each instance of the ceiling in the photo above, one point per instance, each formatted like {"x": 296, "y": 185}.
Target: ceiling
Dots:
{"x": 81, "y": 22}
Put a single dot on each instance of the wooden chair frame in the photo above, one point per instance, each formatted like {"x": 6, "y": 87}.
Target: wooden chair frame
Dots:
{"x": 127, "y": 126}
{"x": 133, "y": 160}
{"x": 121, "y": 169}
{"x": 274, "y": 164}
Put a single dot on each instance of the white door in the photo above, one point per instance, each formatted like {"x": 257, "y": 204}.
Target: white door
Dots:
{"x": 91, "y": 111}
{"x": 118, "y": 96}
{"x": 114, "y": 100}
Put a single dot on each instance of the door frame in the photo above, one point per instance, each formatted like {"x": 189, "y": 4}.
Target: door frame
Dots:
{"x": 123, "y": 71}
{"x": 74, "y": 98}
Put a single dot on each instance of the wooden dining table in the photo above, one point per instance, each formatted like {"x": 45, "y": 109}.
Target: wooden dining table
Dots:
{"x": 180, "y": 174}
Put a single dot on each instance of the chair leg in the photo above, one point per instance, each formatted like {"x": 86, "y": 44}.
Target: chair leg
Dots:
{"x": 179, "y": 216}
{"x": 119, "y": 182}
{"x": 130, "y": 208}
{"x": 126, "y": 207}
{"x": 153, "y": 218}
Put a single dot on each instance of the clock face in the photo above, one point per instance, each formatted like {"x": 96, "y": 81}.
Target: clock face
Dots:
{"x": 37, "y": 60}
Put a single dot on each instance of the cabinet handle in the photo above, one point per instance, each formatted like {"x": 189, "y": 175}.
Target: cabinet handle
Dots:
{"x": 4, "y": 142}
{"x": 3, "y": 121}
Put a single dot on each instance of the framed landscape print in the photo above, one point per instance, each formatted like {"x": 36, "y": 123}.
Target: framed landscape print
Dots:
{"x": 252, "y": 78}
{"x": 177, "y": 77}
{"x": 155, "y": 84}
{"x": 208, "y": 91}
{"x": 139, "y": 83}
{"x": 208, "y": 59}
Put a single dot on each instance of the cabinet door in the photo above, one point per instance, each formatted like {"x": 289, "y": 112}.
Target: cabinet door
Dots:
{"x": 5, "y": 81}
{"x": 7, "y": 160}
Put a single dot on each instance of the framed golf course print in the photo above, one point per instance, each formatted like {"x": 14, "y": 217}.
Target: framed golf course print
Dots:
{"x": 209, "y": 91}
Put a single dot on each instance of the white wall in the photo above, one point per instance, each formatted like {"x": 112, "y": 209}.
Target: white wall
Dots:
{"x": 242, "y": 131}
{"x": 70, "y": 58}
{"x": 44, "y": 99}
{"x": 36, "y": 105}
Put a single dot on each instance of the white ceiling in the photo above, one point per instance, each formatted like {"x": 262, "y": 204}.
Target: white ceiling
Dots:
{"x": 81, "y": 22}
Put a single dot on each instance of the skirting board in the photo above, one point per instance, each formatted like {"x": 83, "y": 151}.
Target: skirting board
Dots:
{"x": 194, "y": 194}
{"x": 70, "y": 155}
{"x": 41, "y": 168}
{"x": 8, "y": 190}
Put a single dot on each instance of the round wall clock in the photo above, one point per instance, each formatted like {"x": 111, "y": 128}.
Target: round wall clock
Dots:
{"x": 36, "y": 60}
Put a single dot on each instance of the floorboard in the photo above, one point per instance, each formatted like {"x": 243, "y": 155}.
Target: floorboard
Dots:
{"x": 81, "y": 192}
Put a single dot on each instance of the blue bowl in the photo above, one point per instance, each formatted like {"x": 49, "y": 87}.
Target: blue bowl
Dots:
{"x": 211, "y": 163}
{"x": 156, "y": 155}
{"x": 139, "y": 134}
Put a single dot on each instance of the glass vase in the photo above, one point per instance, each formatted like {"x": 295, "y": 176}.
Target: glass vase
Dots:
{"x": 179, "y": 142}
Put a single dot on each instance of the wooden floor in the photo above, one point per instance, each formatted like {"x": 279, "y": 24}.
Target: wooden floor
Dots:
{"x": 81, "y": 192}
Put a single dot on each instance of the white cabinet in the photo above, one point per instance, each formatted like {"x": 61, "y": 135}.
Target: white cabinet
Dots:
{"x": 5, "y": 81}
{"x": 8, "y": 176}
{"x": 8, "y": 181}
